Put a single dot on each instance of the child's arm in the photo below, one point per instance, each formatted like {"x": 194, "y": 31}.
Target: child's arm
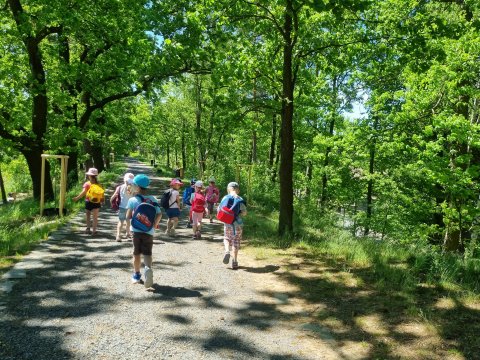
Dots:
{"x": 79, "y": 196}
{"x": 158, "y": 217}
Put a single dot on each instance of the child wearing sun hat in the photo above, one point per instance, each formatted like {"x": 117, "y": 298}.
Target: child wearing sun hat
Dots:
{"x": 92, "y": 207}
{"x": 173, "y": 209}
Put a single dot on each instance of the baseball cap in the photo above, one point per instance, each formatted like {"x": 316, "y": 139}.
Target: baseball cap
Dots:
{"x": 233, "y": 185}
{"x": 141, "y": 180}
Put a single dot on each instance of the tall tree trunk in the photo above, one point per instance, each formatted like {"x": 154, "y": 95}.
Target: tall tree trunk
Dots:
{"x": 198, "y": 123}
{"x": 253, "y": 159}
{"x": 97, "y": 156}
{"x": 326, "y": 162}
{"x": 371, "y": 170}
{"x": 34, "y": 162}
{"x": 184, "y": 148}
{"x": 309, "y": 174}
{"x": 285, "y": 224}
{"x": 273, "y": 140}
{"x": 168, "y": 155}
{"x": 2, "y": 188}
{"x": 38, "y": 91}
{"x": 72, "y": 168}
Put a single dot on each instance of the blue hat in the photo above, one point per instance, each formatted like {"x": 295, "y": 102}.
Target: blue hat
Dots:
{"x": 193, "y": 181}
{"x": 141, "y": 180}
{"x": 233, "y": 185}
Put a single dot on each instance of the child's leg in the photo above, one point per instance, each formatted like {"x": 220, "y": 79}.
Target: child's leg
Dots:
{"x": 88, "y": 216}
{"x": 95, "y": 219}
{"x": 127, "y": 227}
{"x": 119, "y": 228}
{"x": 227, "y": 238}
{"x": 147, "y": 260}
{"x": 236, "y": 241}
{"x": 136, "y": 263}
{"x": 174, "y": 223}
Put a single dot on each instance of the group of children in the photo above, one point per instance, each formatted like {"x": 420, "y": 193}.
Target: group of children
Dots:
{"x": 141, "y": 214}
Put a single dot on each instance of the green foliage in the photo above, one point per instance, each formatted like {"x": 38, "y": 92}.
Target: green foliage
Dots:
{"x": 15, "y": 176}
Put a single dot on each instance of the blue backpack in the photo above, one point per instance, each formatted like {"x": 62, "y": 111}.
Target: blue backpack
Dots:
{"x": 144, "y": 214}
{"x": 186, "y": 195}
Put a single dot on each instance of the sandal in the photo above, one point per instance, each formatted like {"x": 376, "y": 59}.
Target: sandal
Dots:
{"x": 87, "y": 231}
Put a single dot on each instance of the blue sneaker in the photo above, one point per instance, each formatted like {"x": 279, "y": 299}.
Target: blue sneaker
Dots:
{"x": 136, "y": 277}
{"x": 148, "y": 273}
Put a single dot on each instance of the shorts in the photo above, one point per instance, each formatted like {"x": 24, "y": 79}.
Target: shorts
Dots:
{"x": 197, "y": 218}
{"x": 142, "y": 243}
{"x": 233, "y": 239}
{"x": 90, "y": 206}
{"x": 172, "y": 213}
{"x": 122, "y": 214}
{"x": 210, "y": 206}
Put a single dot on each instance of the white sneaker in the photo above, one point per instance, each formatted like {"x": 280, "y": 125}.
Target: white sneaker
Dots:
{"x": 148, "y": 273}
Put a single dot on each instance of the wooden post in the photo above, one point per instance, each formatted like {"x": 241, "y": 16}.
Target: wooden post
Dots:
{"x": 63, "y": 182}
{"x": 42, "y": 186}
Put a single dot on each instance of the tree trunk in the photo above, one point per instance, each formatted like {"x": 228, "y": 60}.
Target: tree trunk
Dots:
{"x": 168, "y": 155}
{"x": 38, "y": 92}
{"x": 34, "y": 162}
{"x": 309, "y": 174}
{"x": 72, "y": 169}
{"x": 97, "y": 156}
{"x": 326, "y": 162}
{"x": 198, "y": 123}
{"x": 253, "y": 159}
{"x": 184, "y": 147}
{"x": 285, "y": 224}
{"x": 2, "y": 188}
{"x": 273, "y": 141}
{"x": 371, "y": 170}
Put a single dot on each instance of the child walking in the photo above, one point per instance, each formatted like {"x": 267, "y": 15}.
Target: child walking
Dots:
{"x": 233, "y": 232}
{"x": 198, "y": 209}
{"x": 173, "y": 210}
{"x": 211, "y": 194}
{"x": 93, "y": 200}
{"x": 187, "y": 194}
{"x": 145, "y": 213}
{"x": 123, "y": 193}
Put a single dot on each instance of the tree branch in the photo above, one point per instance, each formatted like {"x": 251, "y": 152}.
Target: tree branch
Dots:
{"x": 42, "y": 34}
{"x": 267, "y": 10}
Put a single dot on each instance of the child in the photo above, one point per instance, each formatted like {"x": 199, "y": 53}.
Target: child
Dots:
{"x": 198, "y": 209}
{"x": 92, "y": 206}
{"x": 211, "y": 194}
{"x": 123, "y": 192}
{"x": 187, "y": 193}
{"x": 173, "y": 210}
{"x": 233, "y": 232}
{"x": 142, "y": 237}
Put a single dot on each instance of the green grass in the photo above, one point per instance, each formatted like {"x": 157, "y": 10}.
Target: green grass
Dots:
{"x": 388, "y": 264}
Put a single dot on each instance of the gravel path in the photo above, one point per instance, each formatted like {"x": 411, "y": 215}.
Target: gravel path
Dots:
{"x": 77, "y": 302}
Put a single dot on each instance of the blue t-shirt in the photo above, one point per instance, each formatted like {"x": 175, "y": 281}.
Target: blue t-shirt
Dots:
{"x": 133, "y": 202}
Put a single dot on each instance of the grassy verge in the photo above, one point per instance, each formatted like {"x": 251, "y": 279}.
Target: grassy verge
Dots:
{"x": 21, "y": 226}
{"x": 391, "y": 263}
{"x": 380, "y": 299}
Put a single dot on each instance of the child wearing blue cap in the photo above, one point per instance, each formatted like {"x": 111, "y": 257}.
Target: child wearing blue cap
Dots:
{"x": 232, "y": 233}
{"x": 145, "y": 214}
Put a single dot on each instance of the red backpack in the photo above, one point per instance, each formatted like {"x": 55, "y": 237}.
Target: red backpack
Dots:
{"x": 198, "y": 205}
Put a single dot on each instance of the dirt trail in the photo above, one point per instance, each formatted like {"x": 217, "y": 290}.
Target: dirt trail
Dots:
{"x": 72, "y": 298}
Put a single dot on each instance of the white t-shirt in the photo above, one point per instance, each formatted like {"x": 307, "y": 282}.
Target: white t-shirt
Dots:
{"x": 174, "y": 194}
